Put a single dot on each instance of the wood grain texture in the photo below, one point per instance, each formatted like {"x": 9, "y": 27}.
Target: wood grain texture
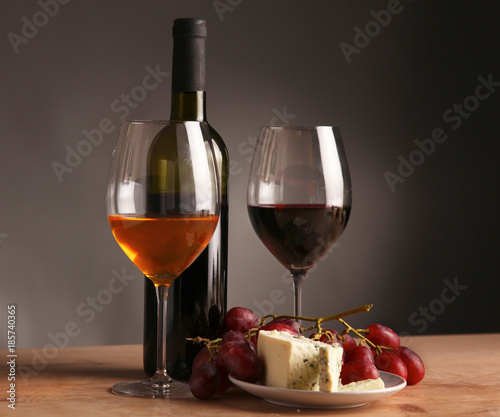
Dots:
{"x": 462, "y": 379}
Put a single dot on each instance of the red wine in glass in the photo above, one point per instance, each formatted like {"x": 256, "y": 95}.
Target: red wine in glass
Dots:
{"x": 298, "y": 235}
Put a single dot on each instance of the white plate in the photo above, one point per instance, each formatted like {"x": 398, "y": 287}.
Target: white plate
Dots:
{"x": 317, "y": 399}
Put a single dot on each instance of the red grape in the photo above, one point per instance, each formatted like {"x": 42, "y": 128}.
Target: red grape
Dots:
{"x": 233, "y": 335}
{"x": 294, "y": 324}
{"x": 413, "y": 362}
{"x": 382, "y": 336}
{"x": 360, "y": 353}
{"x": 204, "y": 381}
{"x": 243, "y": 363}
{"x": 348, "y": 343}
{"x": 281, "y": 327}
{"x": 241, "y": 319}
{"x": 252, "y": 345}
{"x": 223, "y": 349}
{"x": 390, "y": 362}
{"x": 201, "y": 357}
{"x": 225, "y": 383}
{"x": 358, "y": 371}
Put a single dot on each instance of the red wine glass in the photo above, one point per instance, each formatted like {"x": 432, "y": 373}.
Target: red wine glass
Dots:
{"x": 163, "y": 204}
{"x": 299, "y": 195}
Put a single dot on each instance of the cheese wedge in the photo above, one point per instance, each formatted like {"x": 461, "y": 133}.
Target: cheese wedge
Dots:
{"x": 298, "y": 362}
{"x": 364, "y": 385}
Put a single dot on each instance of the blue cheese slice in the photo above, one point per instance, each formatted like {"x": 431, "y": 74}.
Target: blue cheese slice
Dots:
{"x": 298, "y": 362}
{"x": 364, "y": 385}
{"x": 330, "y": 365}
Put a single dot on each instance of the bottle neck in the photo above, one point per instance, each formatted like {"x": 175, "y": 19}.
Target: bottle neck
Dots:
{"x": 188, "y": 106}
{"x": 188, "y": 74}
{"x": 188, "y": 70}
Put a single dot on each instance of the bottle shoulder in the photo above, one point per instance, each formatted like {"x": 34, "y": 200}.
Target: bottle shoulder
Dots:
{"x": 218, "y": 140}
{"x": 222, "y": 156}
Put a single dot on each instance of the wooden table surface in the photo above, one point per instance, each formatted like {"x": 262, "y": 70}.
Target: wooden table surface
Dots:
{"x": 462, "y": 379}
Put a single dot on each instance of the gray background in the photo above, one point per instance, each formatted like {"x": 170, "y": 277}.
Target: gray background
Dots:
{"x": 423, "y": 253}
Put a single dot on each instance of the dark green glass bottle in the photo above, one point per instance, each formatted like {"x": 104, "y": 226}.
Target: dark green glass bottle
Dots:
{"x": 197, "y": 299}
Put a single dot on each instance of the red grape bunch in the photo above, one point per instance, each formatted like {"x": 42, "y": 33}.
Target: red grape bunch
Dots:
{"x": 380, "y": 349}
{"x": 235, "y": 354}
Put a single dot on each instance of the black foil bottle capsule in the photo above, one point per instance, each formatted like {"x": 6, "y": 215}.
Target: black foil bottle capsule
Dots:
{"x": 197, "y": 299}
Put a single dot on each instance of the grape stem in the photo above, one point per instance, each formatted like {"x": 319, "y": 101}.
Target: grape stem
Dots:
{"x": 212, "y": 345}
{"x": 362, "y": 309}
{"x": 378, "y": 349}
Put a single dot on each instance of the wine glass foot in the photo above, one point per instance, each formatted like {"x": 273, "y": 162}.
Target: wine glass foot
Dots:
{"x": 152, "y": 389}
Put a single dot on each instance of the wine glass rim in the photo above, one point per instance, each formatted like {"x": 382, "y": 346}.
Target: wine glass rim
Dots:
{"x": 298, "y": 127}
{"x": 161, "y": 121}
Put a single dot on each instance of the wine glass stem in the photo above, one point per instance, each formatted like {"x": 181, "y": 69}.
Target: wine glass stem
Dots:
{"x": 161, "y": 376}
{"x": 298, "y": 278}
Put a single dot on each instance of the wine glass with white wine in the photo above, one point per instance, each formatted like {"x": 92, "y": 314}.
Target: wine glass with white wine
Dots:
{"x": 163, "y": 204}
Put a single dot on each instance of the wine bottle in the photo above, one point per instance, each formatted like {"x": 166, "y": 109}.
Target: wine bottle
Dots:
{"x": 197, "y": 299}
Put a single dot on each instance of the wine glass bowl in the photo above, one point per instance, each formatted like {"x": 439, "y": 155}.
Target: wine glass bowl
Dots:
{"x": 299, "y": 195}
{"x": 163, "y": 204}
